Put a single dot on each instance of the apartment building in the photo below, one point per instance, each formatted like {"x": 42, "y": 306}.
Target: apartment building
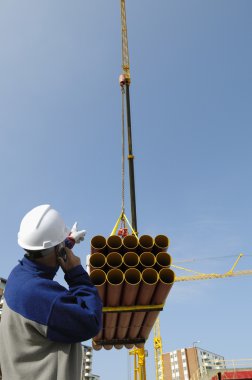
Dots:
{"x": 2, "y": 286}
{"x": 87, "y": 364}
{"x": 191, "y": 362}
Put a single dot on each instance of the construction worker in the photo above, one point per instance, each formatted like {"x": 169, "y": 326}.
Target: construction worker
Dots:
{"x": 42, "y": 322}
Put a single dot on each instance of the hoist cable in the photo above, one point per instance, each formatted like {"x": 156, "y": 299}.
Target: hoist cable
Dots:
{"x": 123, "y": 151}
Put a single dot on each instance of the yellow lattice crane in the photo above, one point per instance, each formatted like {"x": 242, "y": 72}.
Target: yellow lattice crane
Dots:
{"x": 210, "y": 276}
{"x": 158, "y": 349}
{"x": 139, "y": 363}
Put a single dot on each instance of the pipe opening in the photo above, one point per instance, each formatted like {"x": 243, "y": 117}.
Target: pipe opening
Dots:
{"x": 146, "y": 241}
{"x": 98, "y": 277}
{"x": 163, "y": 259}
{"x": 115, "y": 276}
{"x": 114, "y": 259}
{"x": 167, "y": 276}
{"x": 147, "y": 259}
{"x": 150, "y": 276}
{"x": 97, "y": 260}
{"x": 98, "y": 242}
{"x": 133, "y": 276}
{"x": 131, "y": 259}
{"x": 114, "y": 242}
{"x": 162, "y": 241}
{"x": 130, "y": 242}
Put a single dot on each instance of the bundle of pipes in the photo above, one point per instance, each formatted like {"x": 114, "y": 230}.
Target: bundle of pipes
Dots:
{"x": 133, "y": 279}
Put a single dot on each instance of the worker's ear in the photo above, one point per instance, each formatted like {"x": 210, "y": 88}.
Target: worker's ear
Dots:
{"x": 61, "y": 251}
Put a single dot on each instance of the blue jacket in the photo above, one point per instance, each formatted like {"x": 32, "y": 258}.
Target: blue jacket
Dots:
{"x": 43, "y": 323}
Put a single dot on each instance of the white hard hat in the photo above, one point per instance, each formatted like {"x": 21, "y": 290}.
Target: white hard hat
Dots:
{"x": 42, "y": 228}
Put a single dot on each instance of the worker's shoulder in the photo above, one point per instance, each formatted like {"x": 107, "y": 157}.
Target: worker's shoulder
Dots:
{"x": 32, "y": 296}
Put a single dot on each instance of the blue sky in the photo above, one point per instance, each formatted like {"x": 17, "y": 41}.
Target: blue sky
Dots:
{"x": 191, "y": 123}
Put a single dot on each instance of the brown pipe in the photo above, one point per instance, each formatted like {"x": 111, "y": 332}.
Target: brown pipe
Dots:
{"x": 166, "y": 280}
{"x": 140, "y": 345}
{"x": 146, "y": 243}
{"x": 118, "y": 346}
{"x": 161, "y": 243}
{"x": 114, "y": 260}
{"x": 130, "y": 290}
{"x": 108, "y": 346}
{"x": 115, "y": 279}
{"x": 130, "y": 243}
{"x": 96, "y": 261}
{"x": 129, "y": 346}
{"x": 114, "y": 243}
{"x": 98, "y": 278}
{"x": 98, "y": 244}
{"x": 96, "y": 347}
{"x": 163, "y": 259}
{"x": 147, "y": 259}
{"x": 164, "y": 285}
{"x": 131, "y": 259}
{"x": 147, "y": 288}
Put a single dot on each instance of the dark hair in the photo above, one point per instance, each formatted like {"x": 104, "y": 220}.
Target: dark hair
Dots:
{"x": 39, "y": 253}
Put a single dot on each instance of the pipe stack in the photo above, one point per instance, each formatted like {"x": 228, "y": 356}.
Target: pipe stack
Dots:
{"x": 133, "y": 278}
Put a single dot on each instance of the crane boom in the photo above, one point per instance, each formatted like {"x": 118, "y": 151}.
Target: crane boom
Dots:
{"x": 125, "y": 83}
{"x": 125, "y": 48}
{"x": 211, "y": 276}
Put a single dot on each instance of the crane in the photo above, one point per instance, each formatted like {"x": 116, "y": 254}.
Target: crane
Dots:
{"x": 158, "y": 349}
{"x": 125, "y": 81}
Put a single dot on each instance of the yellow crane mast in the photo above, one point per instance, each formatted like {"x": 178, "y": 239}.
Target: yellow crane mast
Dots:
{"x": 158, "y": 349}
{"x": 139, "y": 363}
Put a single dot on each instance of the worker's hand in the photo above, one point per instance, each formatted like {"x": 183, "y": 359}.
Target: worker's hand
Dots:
{"x": 78, "y": 236}
{"x": 70, "y": 261}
